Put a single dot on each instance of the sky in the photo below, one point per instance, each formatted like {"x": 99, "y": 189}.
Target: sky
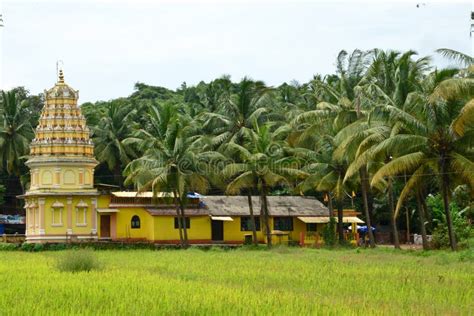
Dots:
{"x": 106, "y": 46}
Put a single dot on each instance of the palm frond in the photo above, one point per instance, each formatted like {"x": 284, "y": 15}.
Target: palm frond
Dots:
{"x": 464, "y": 119}
{"x": 400, "y": 165}
{"x": 463, "y": 167}
{"x": 244, "y": 181}
{"x": 410, "y": 187}
{"x": 461, "y": 58}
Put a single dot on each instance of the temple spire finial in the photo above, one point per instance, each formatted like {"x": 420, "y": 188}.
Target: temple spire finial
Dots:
{"x": 59, "y": 71}
{"x": 61, "y": 76}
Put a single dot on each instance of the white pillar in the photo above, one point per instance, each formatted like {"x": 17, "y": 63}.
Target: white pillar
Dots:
{"x": 69, "y": 215}
{"x": 41, "y": 202}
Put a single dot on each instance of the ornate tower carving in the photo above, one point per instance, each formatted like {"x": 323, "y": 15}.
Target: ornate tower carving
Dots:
{"x": 61, "y": 202}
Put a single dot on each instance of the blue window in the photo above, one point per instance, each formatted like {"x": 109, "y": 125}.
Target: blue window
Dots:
{"x": 135, "y": 222}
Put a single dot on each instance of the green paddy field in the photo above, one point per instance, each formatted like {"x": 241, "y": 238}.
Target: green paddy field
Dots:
{"x": 284, "y": 281}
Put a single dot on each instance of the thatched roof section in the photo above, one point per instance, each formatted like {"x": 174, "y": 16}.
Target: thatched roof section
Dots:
{"x": 278, "y": 206}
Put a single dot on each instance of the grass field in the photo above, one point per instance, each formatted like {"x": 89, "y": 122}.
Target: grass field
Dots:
{"x": 281, "y": 281}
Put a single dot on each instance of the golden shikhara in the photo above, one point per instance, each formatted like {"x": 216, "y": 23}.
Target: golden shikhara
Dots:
{"x": 61, "y": 199}
{"x": 62, "y": 128}
{"x": 62, "y": 153}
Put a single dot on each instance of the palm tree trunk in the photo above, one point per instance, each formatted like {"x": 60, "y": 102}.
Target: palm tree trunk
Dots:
{"x": 447, "y": 212}
{"x": 363, "y": 178}
{"x": 118, "y": 176}
{"x": 178, "y": 214}
{"x": 266, "y": 216}
{"x": 252, "y": 219}
{"x": 396, "y": 241}
{"x": 185, "y": 229}
{"x": 331, "y": 210}
{"x": 407, "y": 212}
{"x": 340, "y": 229}
{"x": 421, "y": 215}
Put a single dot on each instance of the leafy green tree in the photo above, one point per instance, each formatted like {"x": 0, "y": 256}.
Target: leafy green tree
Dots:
{"x": 147, "y": 92}
{"x": 460, "y": 224}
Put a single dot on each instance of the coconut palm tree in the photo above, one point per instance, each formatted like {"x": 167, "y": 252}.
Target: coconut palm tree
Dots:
{"x": 240, "y": 107}
{"x": 325, "y": 174}
{"x": 113, "y": 127}
{"x": 15, "y": 133}
{"x": 340, "y": 107}
{"x": 388, "y": 81}
{"x": 263, "y": 164}
{"x": 436, "y": 139}
{"x": 172, "y": 161}
{"x": 238, "y": 112}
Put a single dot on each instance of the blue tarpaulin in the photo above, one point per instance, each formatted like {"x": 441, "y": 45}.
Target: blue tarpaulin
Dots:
{"x": 193, "y": 195}
{"x": 364, "y": 229}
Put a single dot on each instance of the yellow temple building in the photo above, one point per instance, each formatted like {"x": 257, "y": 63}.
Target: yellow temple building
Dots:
{"x": 63, "y": 205}
{"x": 61, "y": 200}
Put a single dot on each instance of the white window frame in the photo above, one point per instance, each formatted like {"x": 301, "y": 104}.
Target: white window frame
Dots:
{"x": 59, "y": 210}
{"x": 81, "y": 214}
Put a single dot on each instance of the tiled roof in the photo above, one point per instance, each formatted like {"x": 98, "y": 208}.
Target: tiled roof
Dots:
{"x": 278, "y": 206}
{"x": 172, "y": 211}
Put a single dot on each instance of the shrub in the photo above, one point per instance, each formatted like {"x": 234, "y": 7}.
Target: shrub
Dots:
{"x": 55, "y": 247}
{"x": 461, "y": 233}
{"x": 38, "y": 247}
{"x": 8, "y": 247}
{"x": 77, "y": 261}
{"x": 329, "y": 233}
{"x": 460, "y": 224}
{"x": 252, "y": 247}
{"x": 27, "y": 247}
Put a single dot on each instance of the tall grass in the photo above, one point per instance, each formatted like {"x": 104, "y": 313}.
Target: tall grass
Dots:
{"x": 81, "y": 260}
{"x": 240, "y": 282}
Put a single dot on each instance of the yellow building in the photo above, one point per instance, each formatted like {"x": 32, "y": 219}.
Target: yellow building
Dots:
{"x": 132, "y": 216}
{"x": 63, "y": 205}
{"x": 61, "y": 201}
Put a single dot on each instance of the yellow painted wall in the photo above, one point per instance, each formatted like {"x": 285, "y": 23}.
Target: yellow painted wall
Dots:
{"x": 200, "y": 228}
{"x": 76, "y": 225}
{"x": 62, "y": 177}
{"x": 124, "y": 220}
{"x": 232, "y": 231}
{"x": 161, "y": 228}
{"x": 298, "y": 226}
{"x": 103, "y": 201}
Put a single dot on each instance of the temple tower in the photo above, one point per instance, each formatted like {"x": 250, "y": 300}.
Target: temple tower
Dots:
{"x": 61, "y": 202}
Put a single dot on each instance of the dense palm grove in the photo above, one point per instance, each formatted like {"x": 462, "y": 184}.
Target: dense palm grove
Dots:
{"x": 387, "y": 134}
